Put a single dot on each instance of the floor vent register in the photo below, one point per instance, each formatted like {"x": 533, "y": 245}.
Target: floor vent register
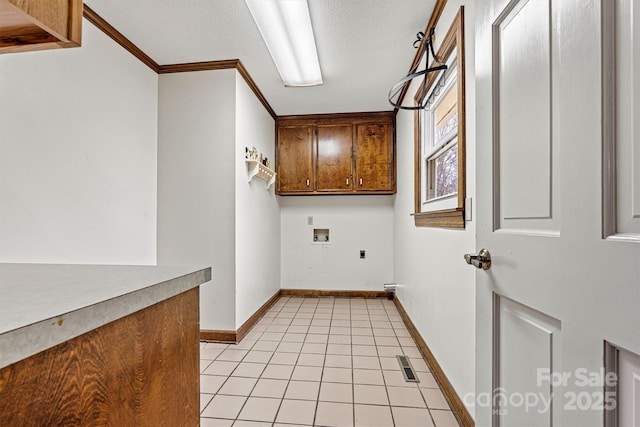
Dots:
{"x": 407, "y": 369}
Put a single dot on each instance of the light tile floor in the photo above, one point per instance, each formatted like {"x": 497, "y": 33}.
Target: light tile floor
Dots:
{"x": 320, "y": 362}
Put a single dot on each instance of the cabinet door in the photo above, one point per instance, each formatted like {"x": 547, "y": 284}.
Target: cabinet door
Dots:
{"x": 374, "y": 157}
{"x": 295, "y": 159}
{"x": 334, "y": 160}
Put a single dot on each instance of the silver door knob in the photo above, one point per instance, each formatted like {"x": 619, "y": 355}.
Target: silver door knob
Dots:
{"x": 481, "y": 261}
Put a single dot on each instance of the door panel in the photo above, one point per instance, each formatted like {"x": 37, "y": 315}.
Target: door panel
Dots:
{"x": 295, "y": 159}
{"x": 539, "y": 198}
{"x": 526, "y": 348}
{"x": 627, "y": 126}
{"x": 523, "y": 134}
{"x": 374, "y": 157}
{"x": 628, "y": 389}
{"x": 334, "y": 163}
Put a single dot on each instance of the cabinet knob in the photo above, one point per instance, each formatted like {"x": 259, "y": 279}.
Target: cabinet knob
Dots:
{"x": 360, "y": 182}
{"x": 347, "y": 181}
{"x": 307, "y": 182}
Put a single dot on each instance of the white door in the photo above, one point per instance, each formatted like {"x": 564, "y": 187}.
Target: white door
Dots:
{"x": 562, "y": 229}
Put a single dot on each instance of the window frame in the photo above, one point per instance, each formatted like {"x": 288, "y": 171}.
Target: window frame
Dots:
{"x": 453, "y": 42}
{"x": 432, "y": 150}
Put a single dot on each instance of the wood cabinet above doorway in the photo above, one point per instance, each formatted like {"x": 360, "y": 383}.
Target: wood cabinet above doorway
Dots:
{"x": 336, "y": 154}
{"x": 27, "y": 25}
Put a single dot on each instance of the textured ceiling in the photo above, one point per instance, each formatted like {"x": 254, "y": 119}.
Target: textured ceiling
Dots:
{"x": 365, "y": 46}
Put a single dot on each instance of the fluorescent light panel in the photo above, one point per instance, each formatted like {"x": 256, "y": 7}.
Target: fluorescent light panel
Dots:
{"x": 285, "y": 26}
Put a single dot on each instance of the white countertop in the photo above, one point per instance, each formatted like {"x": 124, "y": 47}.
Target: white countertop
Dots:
{"x": 42, "y": 305}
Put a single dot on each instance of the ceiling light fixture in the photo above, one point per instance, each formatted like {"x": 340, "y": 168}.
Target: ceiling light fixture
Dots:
{"x": 285, "y": 26}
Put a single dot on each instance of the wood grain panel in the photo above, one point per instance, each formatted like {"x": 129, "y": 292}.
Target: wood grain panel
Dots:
{"x": 334, "y": 159}
{"x": 374, "y": 157}
{"x": 27, "y": 25}
{"x": 198, "y": 66}
{"x": 459, "y": 410}
{"x": 294, "y": 159}
{"x": 446, "y": 218}
{"x": 20, "y": 32}
{"x": 18, "y": 28}
{"x": 215, "y": 335}
{"x": 51, "y": 15}
{"x": 337, "y": 118}
{"x": 140, "y": 370}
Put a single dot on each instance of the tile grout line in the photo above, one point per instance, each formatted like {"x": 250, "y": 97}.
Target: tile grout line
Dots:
{"x": 254, "y": 386}
{"x": 288, "y": 381}
{"x": 371, "y": 310}
{"x": 353, "y": 377}
{"x": 315, "y": 414}
{"x": 386, "y": 387}
{"x": 231, "y": 374}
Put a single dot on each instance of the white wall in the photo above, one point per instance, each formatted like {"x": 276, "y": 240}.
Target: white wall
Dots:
{"x": 78, "y": 155}
{"x": 208, "y": 213}
{"x": 355, "y": 223}
{"x": 196, "y": 191}
{"x": 257, "y": 211}
{"x": 437, "y": 289}
{"x": 78, "y": 185}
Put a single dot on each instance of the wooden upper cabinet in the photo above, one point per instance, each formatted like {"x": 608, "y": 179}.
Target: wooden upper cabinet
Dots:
{"x": 295, "y": 159}
{"x": 374, "y": 157}
{"x": 352, "y": 153}
{"x": 333, "y": 162}
{"x": 27, "y": 25}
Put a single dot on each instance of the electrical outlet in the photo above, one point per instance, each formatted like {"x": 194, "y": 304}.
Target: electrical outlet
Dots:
{"x": 362, "y": 255}
{"x": 309, "y": 220}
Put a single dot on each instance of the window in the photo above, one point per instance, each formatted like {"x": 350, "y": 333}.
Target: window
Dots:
{"x": 440, "y": 138}
{"x": 439, "y": 174}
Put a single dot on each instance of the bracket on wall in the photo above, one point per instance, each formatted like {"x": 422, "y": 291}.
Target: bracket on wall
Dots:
{"x": 396, "y": 92}
{"x": 257, "y": 169}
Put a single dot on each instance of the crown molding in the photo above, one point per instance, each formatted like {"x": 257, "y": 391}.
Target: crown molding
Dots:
{"x": 221, "y": 65}
{"x": 91, "y": 16}
{"x": 198, "y": 66}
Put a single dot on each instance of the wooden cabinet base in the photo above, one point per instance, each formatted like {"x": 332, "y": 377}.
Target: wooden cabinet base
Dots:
{"x": 140, "y": 370}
